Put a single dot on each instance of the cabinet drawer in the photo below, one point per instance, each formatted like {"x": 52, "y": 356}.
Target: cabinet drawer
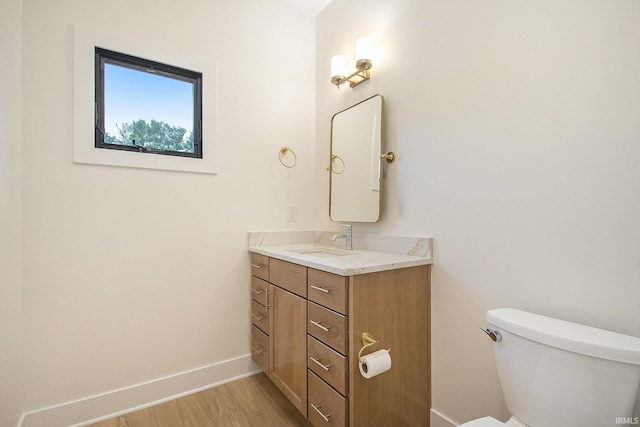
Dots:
{"x": 259, "y": 290}
{"x": 289, "y": 276}
{"x": 329, "y": 290}
{"x": 259, "y": 348}
{"x": 326, "y": 406}
{"x": 328, "y": 364}
{"x": 260, "y": 316}
{"x": 260, "y": 266}
{"x": 328, "y": 326}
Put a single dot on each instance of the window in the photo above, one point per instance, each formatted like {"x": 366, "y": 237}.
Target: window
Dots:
{"x": 89, "y": 112}
{"x": 146, "y": 106}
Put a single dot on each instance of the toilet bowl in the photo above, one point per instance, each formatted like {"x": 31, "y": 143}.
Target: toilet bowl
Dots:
{"x": 558, "y": 373}
{"x": 492, "y": 422}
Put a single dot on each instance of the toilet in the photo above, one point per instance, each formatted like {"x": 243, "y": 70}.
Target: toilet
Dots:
{"x": 557, "y": 373}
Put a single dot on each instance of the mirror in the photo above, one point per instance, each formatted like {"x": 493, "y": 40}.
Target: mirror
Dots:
{"x": 355, "y": 168}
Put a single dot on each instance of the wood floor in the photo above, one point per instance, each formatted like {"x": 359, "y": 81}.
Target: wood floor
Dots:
{"x": 251, "y": 401}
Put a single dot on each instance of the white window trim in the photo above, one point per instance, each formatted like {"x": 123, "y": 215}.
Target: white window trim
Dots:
{"x": 84, "y": 150}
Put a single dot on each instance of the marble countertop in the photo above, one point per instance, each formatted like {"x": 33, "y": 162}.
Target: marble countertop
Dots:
{"x": 316, "y": 250}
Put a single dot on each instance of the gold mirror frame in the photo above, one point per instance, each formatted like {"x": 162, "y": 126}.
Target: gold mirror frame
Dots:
{"x": 355, "y": 180}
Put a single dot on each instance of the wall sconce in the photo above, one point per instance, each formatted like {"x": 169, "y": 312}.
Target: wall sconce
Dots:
{"x": 364, "y": 51}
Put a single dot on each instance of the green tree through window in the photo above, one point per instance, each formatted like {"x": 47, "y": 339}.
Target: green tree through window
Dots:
{"x": 154, "y": 135}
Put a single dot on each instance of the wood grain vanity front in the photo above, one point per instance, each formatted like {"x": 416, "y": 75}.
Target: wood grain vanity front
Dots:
{"x": 315, "y": 322}
{"x": 260, "y": 348}
{"x": 288, "y": 345}
{"x": 260, "y": 266}
{"x": 328, "y": 290}
{"x": 289, "y": 276}
{"x": 328, "y": 364}
{"x": 259, "y": 312}
{"x": 328, "y": 326}
{"x": 326, "y": 406}
{"x": 394, "y": 306}
{"x": 259, "y": 290}
{"x": 260, "y": 316}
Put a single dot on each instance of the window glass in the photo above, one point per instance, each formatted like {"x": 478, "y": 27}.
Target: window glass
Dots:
{"x": 146, "y": 106}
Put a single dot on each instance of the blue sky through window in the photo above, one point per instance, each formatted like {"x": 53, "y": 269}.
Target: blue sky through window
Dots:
{"x": 132, "y": 95}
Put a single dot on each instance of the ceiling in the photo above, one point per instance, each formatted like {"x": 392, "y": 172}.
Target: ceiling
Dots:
{"x": 306, "y": 7}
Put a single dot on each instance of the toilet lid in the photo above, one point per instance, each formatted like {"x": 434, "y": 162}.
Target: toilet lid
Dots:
{"x": 483, "y": 422}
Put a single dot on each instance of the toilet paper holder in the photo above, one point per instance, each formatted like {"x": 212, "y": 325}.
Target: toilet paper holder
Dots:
{"x": 367, "y": 341}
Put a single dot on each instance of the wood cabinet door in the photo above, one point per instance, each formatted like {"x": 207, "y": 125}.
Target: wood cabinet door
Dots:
{"x": 288, "y": 345}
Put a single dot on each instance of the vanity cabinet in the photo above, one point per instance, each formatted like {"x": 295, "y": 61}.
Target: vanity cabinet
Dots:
{"x": 315, "y": 324}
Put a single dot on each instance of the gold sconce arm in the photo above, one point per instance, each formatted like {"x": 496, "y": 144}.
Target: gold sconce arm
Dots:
{"x": 360, "y": 75}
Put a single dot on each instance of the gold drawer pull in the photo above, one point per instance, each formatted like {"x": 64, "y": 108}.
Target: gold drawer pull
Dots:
{"x": 256, "y": 265}
{"x": 258, "y": 316}
{"x": 257, "y": 291}
{"x": 317, "y": 408}
{"x": 320, "y": 326}
{"x": 258, "y": 349}
{"x": 325, "y": 367}
{"x": 317, "y": 288}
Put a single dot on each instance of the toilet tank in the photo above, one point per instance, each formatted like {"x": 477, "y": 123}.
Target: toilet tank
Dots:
{"x": 557, "y": 373}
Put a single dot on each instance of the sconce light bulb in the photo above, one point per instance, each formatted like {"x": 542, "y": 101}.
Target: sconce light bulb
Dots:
{"x": 338, "y": 66}
{"x": 338, "y": 70}
{"x": 364, "y": 49}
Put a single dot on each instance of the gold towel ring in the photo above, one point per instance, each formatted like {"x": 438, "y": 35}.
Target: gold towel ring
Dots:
{"x": 283, "y": 151}
{"x": 334, "y": 157}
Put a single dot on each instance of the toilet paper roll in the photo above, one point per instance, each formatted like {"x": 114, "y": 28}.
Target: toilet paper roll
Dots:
{"x": 375, "y": 363}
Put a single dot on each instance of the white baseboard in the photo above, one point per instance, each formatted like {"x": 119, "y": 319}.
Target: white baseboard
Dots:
{"x": 439, "y": 420}
{"x": 129, "y": 399}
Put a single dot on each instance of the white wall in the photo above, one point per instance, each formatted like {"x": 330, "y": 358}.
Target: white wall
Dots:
{"x": 11, "y": 399}
{"x": 515, "y": 124}
{"x": 518, "y": 141}
{"x": 131, "y": 275}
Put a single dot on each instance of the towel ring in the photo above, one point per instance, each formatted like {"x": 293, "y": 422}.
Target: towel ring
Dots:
{"x": 334, "y": 157}
{"x": 283, "y": 152}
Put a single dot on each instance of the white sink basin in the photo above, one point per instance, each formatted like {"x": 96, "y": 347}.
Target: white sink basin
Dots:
{"x": 319, "y": 252}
